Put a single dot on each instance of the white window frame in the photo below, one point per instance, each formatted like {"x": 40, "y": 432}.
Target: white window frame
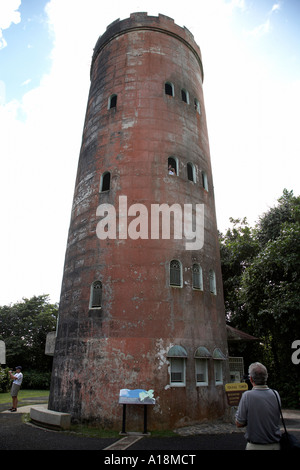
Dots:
{"x": 179, "y": 364}
{"x": 201, "y": 366}
{"x": 218, "y": 371}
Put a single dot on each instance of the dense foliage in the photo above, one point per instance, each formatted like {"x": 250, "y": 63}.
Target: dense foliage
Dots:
{"x": 24, "y": 326}
{"x": 261, "y": 276}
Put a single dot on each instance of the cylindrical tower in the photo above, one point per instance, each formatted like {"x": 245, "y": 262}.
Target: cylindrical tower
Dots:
{"x": 141, "y": 302}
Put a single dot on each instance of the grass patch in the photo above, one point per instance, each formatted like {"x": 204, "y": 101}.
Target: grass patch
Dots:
{"x": 92, "y": 431}
{"x": 24, "y": 395}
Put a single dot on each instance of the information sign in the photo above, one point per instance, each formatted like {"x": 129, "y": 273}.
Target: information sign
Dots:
{"x": 234, "y": 392}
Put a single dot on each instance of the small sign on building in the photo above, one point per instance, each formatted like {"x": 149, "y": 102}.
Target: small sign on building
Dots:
{"x": 50, "y": 343}
{"x": 2, "y": 353}
{"x": 234, "y": 392}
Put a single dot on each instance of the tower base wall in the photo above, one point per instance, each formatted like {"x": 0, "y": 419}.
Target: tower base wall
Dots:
{"x": 90, "y": 393}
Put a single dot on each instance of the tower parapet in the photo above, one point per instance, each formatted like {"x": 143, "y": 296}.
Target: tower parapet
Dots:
{"x": 141, "y": 21}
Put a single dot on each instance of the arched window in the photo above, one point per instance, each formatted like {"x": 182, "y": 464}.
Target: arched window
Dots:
{"x": 172, "y": 166}
{"x": 105, "y": 182}
{"x": 185, "y": 96}
{"x": 169, "y": 89}
{"x": 175, "y": 273}
{"x": 197, "y": 277}
{"x": 191, "y": 174}
{"x": 212, "y": 282}
{"x": 218, "y": 358}
{"x": 112, "y": 101}
{"x": 177, "y": 356}
{"x": 202, "y": 356}
{"x": 204, "y": 181}
{"x": 197, "y": 106}
{"x": 96, "y": 295}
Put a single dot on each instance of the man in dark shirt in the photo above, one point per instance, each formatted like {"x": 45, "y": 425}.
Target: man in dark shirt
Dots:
{"x": 259, "y": 411}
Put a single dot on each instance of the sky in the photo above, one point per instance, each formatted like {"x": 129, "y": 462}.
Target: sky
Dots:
{"x": 251, "y": 58}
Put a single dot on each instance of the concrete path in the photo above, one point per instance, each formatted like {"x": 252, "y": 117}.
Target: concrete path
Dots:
{"x": 16, "y": 435}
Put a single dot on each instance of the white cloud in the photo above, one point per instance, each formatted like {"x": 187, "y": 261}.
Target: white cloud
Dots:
{"x": 26, "y": 82}
{"x": 275, "y": 7}
{"x": 265, "y": 27}
{"x": 8, "y": 14}
{"x": 261, "y": 30}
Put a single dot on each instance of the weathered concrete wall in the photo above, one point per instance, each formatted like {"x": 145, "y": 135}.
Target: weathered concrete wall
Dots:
{"x": 125, "y": 344}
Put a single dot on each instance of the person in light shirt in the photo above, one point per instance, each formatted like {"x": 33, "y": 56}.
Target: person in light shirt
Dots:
{"x": 259, "y": 411}
{"x": 17, "y": 380}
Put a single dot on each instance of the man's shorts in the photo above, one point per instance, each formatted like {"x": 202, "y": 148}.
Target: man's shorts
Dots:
{"x": 14, "y": 390}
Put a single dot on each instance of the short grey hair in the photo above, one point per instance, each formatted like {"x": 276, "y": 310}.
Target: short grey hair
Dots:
{"x": 258, "y": 372}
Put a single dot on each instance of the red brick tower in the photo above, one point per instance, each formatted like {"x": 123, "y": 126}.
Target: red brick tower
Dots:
{"x": 142, "y": 308}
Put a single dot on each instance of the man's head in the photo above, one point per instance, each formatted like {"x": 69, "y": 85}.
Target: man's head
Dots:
{"x": 258, "y": 373}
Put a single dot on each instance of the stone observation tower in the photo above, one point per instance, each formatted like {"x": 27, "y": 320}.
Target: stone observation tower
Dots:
{"x": 142, "y": 302}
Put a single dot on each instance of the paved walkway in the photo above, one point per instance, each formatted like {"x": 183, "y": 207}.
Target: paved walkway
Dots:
{"x": 218, "y": 435}
{"x": 292, "y": 418}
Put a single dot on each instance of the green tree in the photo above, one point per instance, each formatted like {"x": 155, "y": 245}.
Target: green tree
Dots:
{"x": 238, "y": 248}
{"x": 261, "y": 275}
{"x": 270, "y": 224}
{"x": 270, "y": 295}
{"x": 24, "y": 326}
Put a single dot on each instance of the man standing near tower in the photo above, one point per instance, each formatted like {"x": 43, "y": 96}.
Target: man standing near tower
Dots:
{"x": 17, "y": 380}
{"x": 258, "y": 410}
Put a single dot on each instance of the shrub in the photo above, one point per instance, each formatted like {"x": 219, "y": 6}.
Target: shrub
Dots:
{"x": 36, "y": 380}
{"x": 4, "y": 380}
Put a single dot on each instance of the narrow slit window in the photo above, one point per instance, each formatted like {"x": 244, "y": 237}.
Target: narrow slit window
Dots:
{"x": 172, "y": 166}
{"x": 190, "y": 172}
{"x": 112, "y": 102}
{"x": 105, "y": 182}
{"x": 218, "y": 367}
{"x": 185, "y": 96}
{"x": 204, "y": 181}
{"x": 197, "y": 106}
{"x": 96, "y": 295}
{"x": 212, "y": 282}
{"x": 175, "y": 273}
{"x": 169, "y": 89}
{"x": 197, "y": 277}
